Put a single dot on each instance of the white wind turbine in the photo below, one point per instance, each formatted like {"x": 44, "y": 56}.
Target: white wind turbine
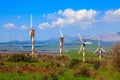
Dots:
{"x": 99, "y": 49}
{"x": 61, "y": 41}
{"x": 32, "y": 32}
{"x": 83, "y": 46}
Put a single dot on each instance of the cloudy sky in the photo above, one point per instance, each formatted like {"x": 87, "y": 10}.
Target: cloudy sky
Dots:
{"x": 89, "y": 17}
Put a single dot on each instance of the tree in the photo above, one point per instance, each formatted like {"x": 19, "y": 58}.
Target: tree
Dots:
{"x": 114, "y": 54}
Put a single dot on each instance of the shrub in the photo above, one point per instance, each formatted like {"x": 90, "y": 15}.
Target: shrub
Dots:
{"x": 83, "y": 71}
{"x": 50, "y": 76}
{"x": 114, "y": 55}
{"x": 45, "y": 77}
{"x": 63, "y": 61}
{"x": 53, "y": 76}
{"x": 97, "y": 65}
{"x": 46, "y": 58}
{"x": 60, "y": 58}
{"x": 61, "y": 72}
{"x": 16, "y": 58}
{"x": 2, "y": 63}
{"x": 74, "y": 62}
{"x": 91, "y": 61}
{"x": 31, "y": 59}
{"x": 21, "y": 58}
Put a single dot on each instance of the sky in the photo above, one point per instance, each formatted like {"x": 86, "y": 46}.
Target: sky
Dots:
{"x": 87, "y": 17}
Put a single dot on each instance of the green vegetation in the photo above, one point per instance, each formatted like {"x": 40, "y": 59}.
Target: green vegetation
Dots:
{"x": 66, "y": 67}
{"x": 21, "y": 58}
{"x": 115, "y": 56}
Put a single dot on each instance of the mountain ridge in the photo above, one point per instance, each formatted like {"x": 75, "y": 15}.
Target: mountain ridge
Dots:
{"x": 110, "y": 37}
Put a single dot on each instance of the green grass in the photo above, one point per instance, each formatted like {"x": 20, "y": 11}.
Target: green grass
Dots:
{"x": 17, "y": 76}
{"x": 37, "y": 76}
{"x": 15, "y": 70}
{"x": 88, "y": 55}
{"x": 69, "y": 76}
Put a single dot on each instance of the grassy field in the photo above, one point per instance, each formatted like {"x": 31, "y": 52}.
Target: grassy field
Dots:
{"x": 53, "y": 67}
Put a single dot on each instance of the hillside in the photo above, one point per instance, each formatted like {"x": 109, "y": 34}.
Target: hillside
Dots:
{"x": 70, "y": 43}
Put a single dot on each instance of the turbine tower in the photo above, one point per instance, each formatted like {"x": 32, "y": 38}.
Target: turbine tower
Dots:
{"x": 83, "y": 46}
{"x": 32, "y": 32}
{"x": 61, "y": 42}
{"x": 100, "y": 50}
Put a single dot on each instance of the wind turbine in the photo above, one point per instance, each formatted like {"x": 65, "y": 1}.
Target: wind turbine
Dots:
{"x": 32, "y": 31}
{"x": 61, "y": 41}
{"x": 99, "y": 49}
{"x": 83, "y": 46}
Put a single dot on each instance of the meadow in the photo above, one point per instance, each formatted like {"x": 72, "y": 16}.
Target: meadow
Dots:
{"x": 19, "y": 66}
{"x": 52, "y": 67}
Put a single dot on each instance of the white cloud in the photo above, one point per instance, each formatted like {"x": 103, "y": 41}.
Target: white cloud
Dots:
{"x": 13, "y": 26}
{"x": 9, "y": 26}
{"x": 23, "y": 27}
{"x": 112, "y": 16}
{"x": 44, "y": 25}
{"x": 69, "y": 17}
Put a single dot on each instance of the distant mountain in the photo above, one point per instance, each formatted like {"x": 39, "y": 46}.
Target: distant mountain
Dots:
{"x": 70, "y": 43}
{"x": 11, "y": 42}
{"x": 110, "y": 37}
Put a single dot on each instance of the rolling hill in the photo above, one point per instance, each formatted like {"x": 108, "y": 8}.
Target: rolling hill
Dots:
{"x": 70, "y": 43}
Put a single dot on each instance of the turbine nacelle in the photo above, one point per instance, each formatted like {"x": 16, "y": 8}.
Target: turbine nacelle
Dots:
{"x": 99, "y": 46}
{"x": 82, "y": 41}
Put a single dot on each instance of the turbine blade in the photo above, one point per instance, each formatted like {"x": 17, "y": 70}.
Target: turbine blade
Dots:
{"x": 30, "y": 21}
{"x": 30, "y": 26}
{"x": 88, "y": 42}
{"x": 30, "y": 34}
{"x": 103, "y": 50}
{"x": 98, "y": 40}
{"x": 96, "y": 50}
{"x": 80, "y": 38}
{"x": 61, "y": 34}
{"x": 80, "y": 49}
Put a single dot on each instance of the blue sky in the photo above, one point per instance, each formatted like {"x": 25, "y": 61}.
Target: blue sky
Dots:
{"x": 89, "y": 17}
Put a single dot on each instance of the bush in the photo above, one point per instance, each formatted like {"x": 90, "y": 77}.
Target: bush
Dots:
{"x": 74, "y": 62}
{"x": 61, "y": 72}
{"x": 62, "y": 58}
{"x": 50, "y": 76}
{"x": 2, "y": 64}
{"x": 114, "y": 55}
{"x": 53, "y": 76}
{"x": 83, "y": 71}
{"x": 21, "y": 58}
{"x": 45, "y": 77}
{"x": 63, "y": 61}
{"x": 97, "y": 65}
{"x": 91, "y": 61}
{"x": 16, "y": 58}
